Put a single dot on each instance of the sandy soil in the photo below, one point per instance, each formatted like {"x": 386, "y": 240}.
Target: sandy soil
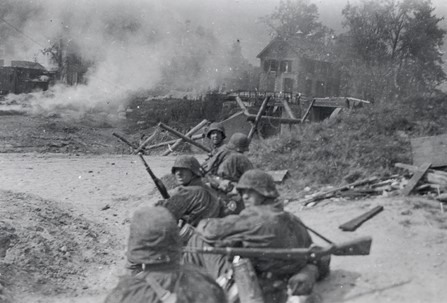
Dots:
{"x": 64, "y": 220}
{"x": 407, "y": 261}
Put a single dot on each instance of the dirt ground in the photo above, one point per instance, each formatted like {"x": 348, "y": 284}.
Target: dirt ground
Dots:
{"x": 64, "y": 219}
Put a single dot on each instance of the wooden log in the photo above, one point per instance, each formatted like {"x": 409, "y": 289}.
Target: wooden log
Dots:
{"x": 355, "y": 223}
{"x": 415, "y": 179}
{"x": 188, "y": 134}
{"x": 307, "y": 111}
{"x": 125, "y": 140}
{"x": 252, "y": 118}
{"x": 147, "y": 141}
{"x": 185, "y": 138}
{"x": 322, "y": 195}
{"x": 258, "y": 118}
{"x": 163, "y": 144}
{"x": 242, "y": 105}
{"x": 289, "y": 112}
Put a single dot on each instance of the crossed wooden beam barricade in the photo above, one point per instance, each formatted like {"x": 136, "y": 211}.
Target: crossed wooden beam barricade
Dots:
{"x": 189, "y": 137}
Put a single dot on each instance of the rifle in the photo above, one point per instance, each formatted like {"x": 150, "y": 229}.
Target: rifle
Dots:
{"x": 357, "y": 247}
{"x": 158, "y": 183}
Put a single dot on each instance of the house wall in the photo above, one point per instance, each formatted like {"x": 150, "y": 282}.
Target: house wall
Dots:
{"x": 7, "y": 80}
{"x": 18, "y": 80}
{"x": 309, "y": 77}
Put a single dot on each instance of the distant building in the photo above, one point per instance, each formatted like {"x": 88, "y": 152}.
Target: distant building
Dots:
{"x": 23, "y": 77}
{"x": 293, "y": 66}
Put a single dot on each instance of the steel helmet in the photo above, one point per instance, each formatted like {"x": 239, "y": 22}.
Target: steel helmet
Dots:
{"x": 153, "y": 237}
{"x": 259, "y": 181}
{"x": 189, "y": 162}
{"x": 215, "y": 126}
{"x": 239, "y": 142}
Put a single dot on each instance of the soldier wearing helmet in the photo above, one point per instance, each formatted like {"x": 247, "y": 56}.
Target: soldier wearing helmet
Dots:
{"x": 154, "y": 252}
{"x": 238, "y": 144}
{"x": 192, "y": 200}
{"x": 263, "y": 223}
{"x": 226, "y": 167}
{"x": 216, "y": 134}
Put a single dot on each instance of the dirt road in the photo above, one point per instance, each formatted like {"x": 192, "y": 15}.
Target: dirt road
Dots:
{"x": 72, "y": 212}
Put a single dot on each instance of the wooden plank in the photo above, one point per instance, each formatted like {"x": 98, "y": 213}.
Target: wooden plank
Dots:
{"x": 322, "y": 195}
{"x": 356, "y": 222}
{"x": 307, "y": 111}
{"x": 414, "y": 168}
{"x": 433, "y": 176}
{"x": 331, "y": 102}
{"x": 289, "y": 112}
{"x": 430, "y": 149}
{"x": 252, "y": 118}
{"x": 358, "y": 100}
{"x": 278, "y": 175}
{"x": 415, "y": 179}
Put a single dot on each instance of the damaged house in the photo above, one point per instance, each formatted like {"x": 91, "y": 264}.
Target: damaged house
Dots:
{"x": 23, "y": 77}
{"x": 293, "y": 66}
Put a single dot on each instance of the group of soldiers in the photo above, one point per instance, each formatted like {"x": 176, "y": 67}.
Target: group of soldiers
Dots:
{"x": 223, "y": 202}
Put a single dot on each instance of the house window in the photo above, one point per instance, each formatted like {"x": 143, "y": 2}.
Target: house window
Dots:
{"x": 266, "y": 65}
{"x": 273, "y": 65}
{"x": 286, "y": 66}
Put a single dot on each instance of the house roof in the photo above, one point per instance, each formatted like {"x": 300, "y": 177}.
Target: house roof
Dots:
{"x": 27, "y": 64}
{"x": 299, "y": 46}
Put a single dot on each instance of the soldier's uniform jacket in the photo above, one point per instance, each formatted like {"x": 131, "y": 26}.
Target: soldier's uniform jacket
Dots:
{"x": 192, "y": 203}
{"x": 261, "y": 226}
{"x": 234, "y": 166}
{"x": 211, "y": 165}
{"x": 190, "y": 285}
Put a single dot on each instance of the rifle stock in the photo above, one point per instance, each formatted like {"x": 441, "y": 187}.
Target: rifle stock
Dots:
{"x": 356, "y": 247}
{"x": 158, "y": 183}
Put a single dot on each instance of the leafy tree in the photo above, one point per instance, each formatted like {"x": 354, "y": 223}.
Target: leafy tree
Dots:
{"x": 296, "y": 17}
{"x": 392, "y": 47}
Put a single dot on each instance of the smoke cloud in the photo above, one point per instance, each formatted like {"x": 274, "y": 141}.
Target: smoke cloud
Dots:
{"x": 131, "y": 46}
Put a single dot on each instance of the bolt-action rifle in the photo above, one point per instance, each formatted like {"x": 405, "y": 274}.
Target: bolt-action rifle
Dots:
{"x": 158, "y": 183}
{"x": 357, "y": 247}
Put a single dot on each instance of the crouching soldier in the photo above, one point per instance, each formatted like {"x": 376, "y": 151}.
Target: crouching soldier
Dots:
{"x": 225, "y": 169}
{"x": 262, "y": 224}
{"x": 192, "y": 200}
{"x": 154, "y": 250}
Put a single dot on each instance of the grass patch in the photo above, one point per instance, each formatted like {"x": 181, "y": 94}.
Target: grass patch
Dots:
{"x": 354, "y": 145}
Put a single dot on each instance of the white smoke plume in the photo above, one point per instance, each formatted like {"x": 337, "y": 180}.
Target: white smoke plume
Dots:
{"x": 132, "y": 45}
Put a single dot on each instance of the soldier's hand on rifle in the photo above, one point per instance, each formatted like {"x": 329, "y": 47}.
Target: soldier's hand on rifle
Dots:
{"x": 302, "y": 283}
